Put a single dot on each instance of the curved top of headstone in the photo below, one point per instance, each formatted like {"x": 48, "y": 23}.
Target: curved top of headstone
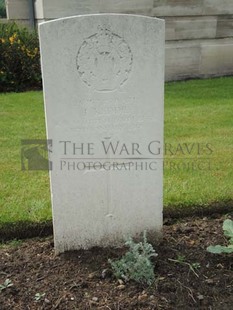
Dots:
{"x": 104, "y": 58}
{"x": 58, "y": 20}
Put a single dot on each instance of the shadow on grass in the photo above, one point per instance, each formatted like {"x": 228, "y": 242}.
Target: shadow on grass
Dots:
{"x": 24, "y": 230}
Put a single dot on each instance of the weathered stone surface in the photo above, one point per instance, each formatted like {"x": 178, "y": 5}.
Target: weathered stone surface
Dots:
{"x": 224, "y": 26}
{"x": 198, "y": 58}
{"x": 60, "y": 8}
{"x": 218, "y": 7}
{"x": 192, "y": 7}
{"x": 178, "y": 8}
{"x": 17, "y": 9}
{"x": 217, "y": 58}
{"x": 182, "y": 60}
{"x": 103, "y": 83}
{"x": 51, "y": 9}
{"x": 189, "y": 28}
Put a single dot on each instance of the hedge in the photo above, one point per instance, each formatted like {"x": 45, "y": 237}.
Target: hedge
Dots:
{"x": 20, "y": 58}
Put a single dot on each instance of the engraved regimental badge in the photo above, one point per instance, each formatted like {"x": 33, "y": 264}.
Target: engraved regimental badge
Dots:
{"x": 104, "y": 60}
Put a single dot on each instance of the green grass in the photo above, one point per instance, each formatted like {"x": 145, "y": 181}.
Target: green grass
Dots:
{"x": 196, "y": 112}
{"x": 199, "y": 112}
{"x": 24, "y": 195}
{"x": 11, "y": 244}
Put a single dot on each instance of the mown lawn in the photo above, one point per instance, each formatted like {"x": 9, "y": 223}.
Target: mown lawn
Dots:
{"x": 24, "y": 195}
{"x": 198, "y": 167}
{"x": 199, "y": 112}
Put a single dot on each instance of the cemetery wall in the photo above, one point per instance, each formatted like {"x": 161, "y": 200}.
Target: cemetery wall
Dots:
{"x": 199, "y": 33}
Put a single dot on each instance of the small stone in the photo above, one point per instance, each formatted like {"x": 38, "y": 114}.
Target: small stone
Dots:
{"x": 200, "y": 297}
{"x": 121, "y": 287}
{"x": 120, "y": 282}
{"x": 164, "y": 299}
{"x": 209, "y": 281}
{"x": 92, "y": 275}
{"x": 142, "y": 297}
{"x": 106, "y": 273}
{"x": 95, "y": 299}
{"x": 46, "y": 301}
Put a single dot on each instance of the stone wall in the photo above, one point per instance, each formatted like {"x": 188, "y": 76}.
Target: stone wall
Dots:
{"x": 199, "y": 33}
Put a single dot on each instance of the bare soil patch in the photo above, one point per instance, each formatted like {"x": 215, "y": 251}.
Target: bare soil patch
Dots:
{"x": 83, "y": 279}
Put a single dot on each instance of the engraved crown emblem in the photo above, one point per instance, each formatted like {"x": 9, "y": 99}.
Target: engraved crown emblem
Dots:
{"x": 104, "y": 60}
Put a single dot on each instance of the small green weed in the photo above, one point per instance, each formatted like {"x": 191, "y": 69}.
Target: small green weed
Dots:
{"x": 136, "y": 264}
{"x": 228, "y": 232}
{"x": 5, "y": 285}
{"x": 181, "y": 260}
{"x": 39, "y": 296}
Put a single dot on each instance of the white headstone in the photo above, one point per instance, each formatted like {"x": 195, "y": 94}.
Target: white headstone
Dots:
{"x": 103, "y": 78}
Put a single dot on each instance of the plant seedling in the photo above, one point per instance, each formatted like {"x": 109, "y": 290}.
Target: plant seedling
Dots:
{"x": 5, "y": 285}
{"x": 181, "y": 260}
{"x": 136, "y": 264}
{"x": 39, "y": 296}
{"x": 228, "y": 232}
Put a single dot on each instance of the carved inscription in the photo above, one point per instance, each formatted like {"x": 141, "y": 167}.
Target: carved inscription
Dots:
{"x": 104, "y": 61}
